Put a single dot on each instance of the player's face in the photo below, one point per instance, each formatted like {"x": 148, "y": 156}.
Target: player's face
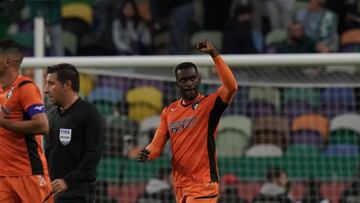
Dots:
{"x": 54, "y": 89}
{"x": 4, "y": 63}
{"x": 188, "y": 81}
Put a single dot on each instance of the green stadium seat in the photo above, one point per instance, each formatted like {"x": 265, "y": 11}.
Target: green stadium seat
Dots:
{"x": 268, "y": 94}
{"x": 231, "y": 143}
{"x": 110, "y": 169}
{"x": 302, "y": 150}
{"x": 308, "y": 95}
{"x": 344, "y": 136}
{"x": 235, "y": 122}
{"x": 105, "y": 108}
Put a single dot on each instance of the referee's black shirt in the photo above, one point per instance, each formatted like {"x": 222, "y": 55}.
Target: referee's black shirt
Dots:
{"x": 74, "y": 144}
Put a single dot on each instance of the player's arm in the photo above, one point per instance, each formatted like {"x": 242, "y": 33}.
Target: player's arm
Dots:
{"x": 229, "y": 85}
{"x": 153, "y": 150}
{"x": 37, "y": 125}
{"x": 35, "y": 121}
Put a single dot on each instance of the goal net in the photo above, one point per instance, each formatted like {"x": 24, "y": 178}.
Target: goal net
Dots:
{"x": 303, "y": 120}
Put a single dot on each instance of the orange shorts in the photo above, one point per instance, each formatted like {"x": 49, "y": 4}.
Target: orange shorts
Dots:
{"x": 25, "y": 189}
{"x": 199, "y": 192}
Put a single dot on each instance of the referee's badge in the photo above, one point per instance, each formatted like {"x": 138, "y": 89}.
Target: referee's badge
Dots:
{"x": 65, "y": 136}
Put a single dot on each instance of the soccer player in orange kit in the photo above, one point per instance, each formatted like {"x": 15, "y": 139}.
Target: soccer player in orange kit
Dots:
{"x": 23, "y": 169}
{"x": 191, "y": 124}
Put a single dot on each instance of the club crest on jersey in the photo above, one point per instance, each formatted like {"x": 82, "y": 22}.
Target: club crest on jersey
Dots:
{"x": 65, "y": 136}
{"x": 195, "y": 105}
{"x": 10, "y": 93}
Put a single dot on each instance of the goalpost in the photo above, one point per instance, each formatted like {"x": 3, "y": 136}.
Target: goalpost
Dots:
{"x": 298, "y": 112}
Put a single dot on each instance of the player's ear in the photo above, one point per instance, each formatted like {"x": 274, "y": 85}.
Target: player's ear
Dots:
{"x": 67, "y": 85}
{"x": 7, "y": 61}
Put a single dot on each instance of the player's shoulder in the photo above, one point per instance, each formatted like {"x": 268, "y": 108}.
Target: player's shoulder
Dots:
{"x": 212, "y": 96}
{"x": 172, "y": 105}
{"x": 23, "y": 81}
{"x": 26, "y": 85}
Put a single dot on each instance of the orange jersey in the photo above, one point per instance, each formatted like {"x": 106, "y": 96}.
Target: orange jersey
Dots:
{"x": 21, "y": 154}
{"x": 192, "y": 131}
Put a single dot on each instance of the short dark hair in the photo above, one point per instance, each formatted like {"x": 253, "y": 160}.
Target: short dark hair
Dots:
{"x": 66, "y": 72}
{"x": 11, "y": 47}
{"x": 185, "y": 65}
{"x": 273, "y": 173}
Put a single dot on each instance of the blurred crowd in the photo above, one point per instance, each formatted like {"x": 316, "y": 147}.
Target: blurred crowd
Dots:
{"x": 152, "y": 27}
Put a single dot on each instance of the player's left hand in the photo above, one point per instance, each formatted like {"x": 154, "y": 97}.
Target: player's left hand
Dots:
{"x": 143, "y": 155}
{"x": 58, "y": 185}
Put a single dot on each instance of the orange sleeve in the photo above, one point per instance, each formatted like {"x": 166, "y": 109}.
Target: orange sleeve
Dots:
{"x": 229, "y": 85}
{"x": 160, "y": 138}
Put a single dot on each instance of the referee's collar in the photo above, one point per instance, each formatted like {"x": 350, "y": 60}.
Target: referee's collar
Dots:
{"x": 64, "y": 111}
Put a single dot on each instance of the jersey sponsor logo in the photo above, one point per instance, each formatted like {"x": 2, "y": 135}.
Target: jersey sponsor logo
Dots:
{"x": 65, "y": 136}
{"x": 178, "y": 126}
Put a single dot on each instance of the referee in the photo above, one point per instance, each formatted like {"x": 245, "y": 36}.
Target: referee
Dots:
{"x": 75, "y": 141}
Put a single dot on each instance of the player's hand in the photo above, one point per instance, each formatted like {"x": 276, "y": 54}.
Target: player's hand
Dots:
{"x": 58, "y": 185}
{"x": 143, "y": 155}
{"x": 207, "y": 47}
